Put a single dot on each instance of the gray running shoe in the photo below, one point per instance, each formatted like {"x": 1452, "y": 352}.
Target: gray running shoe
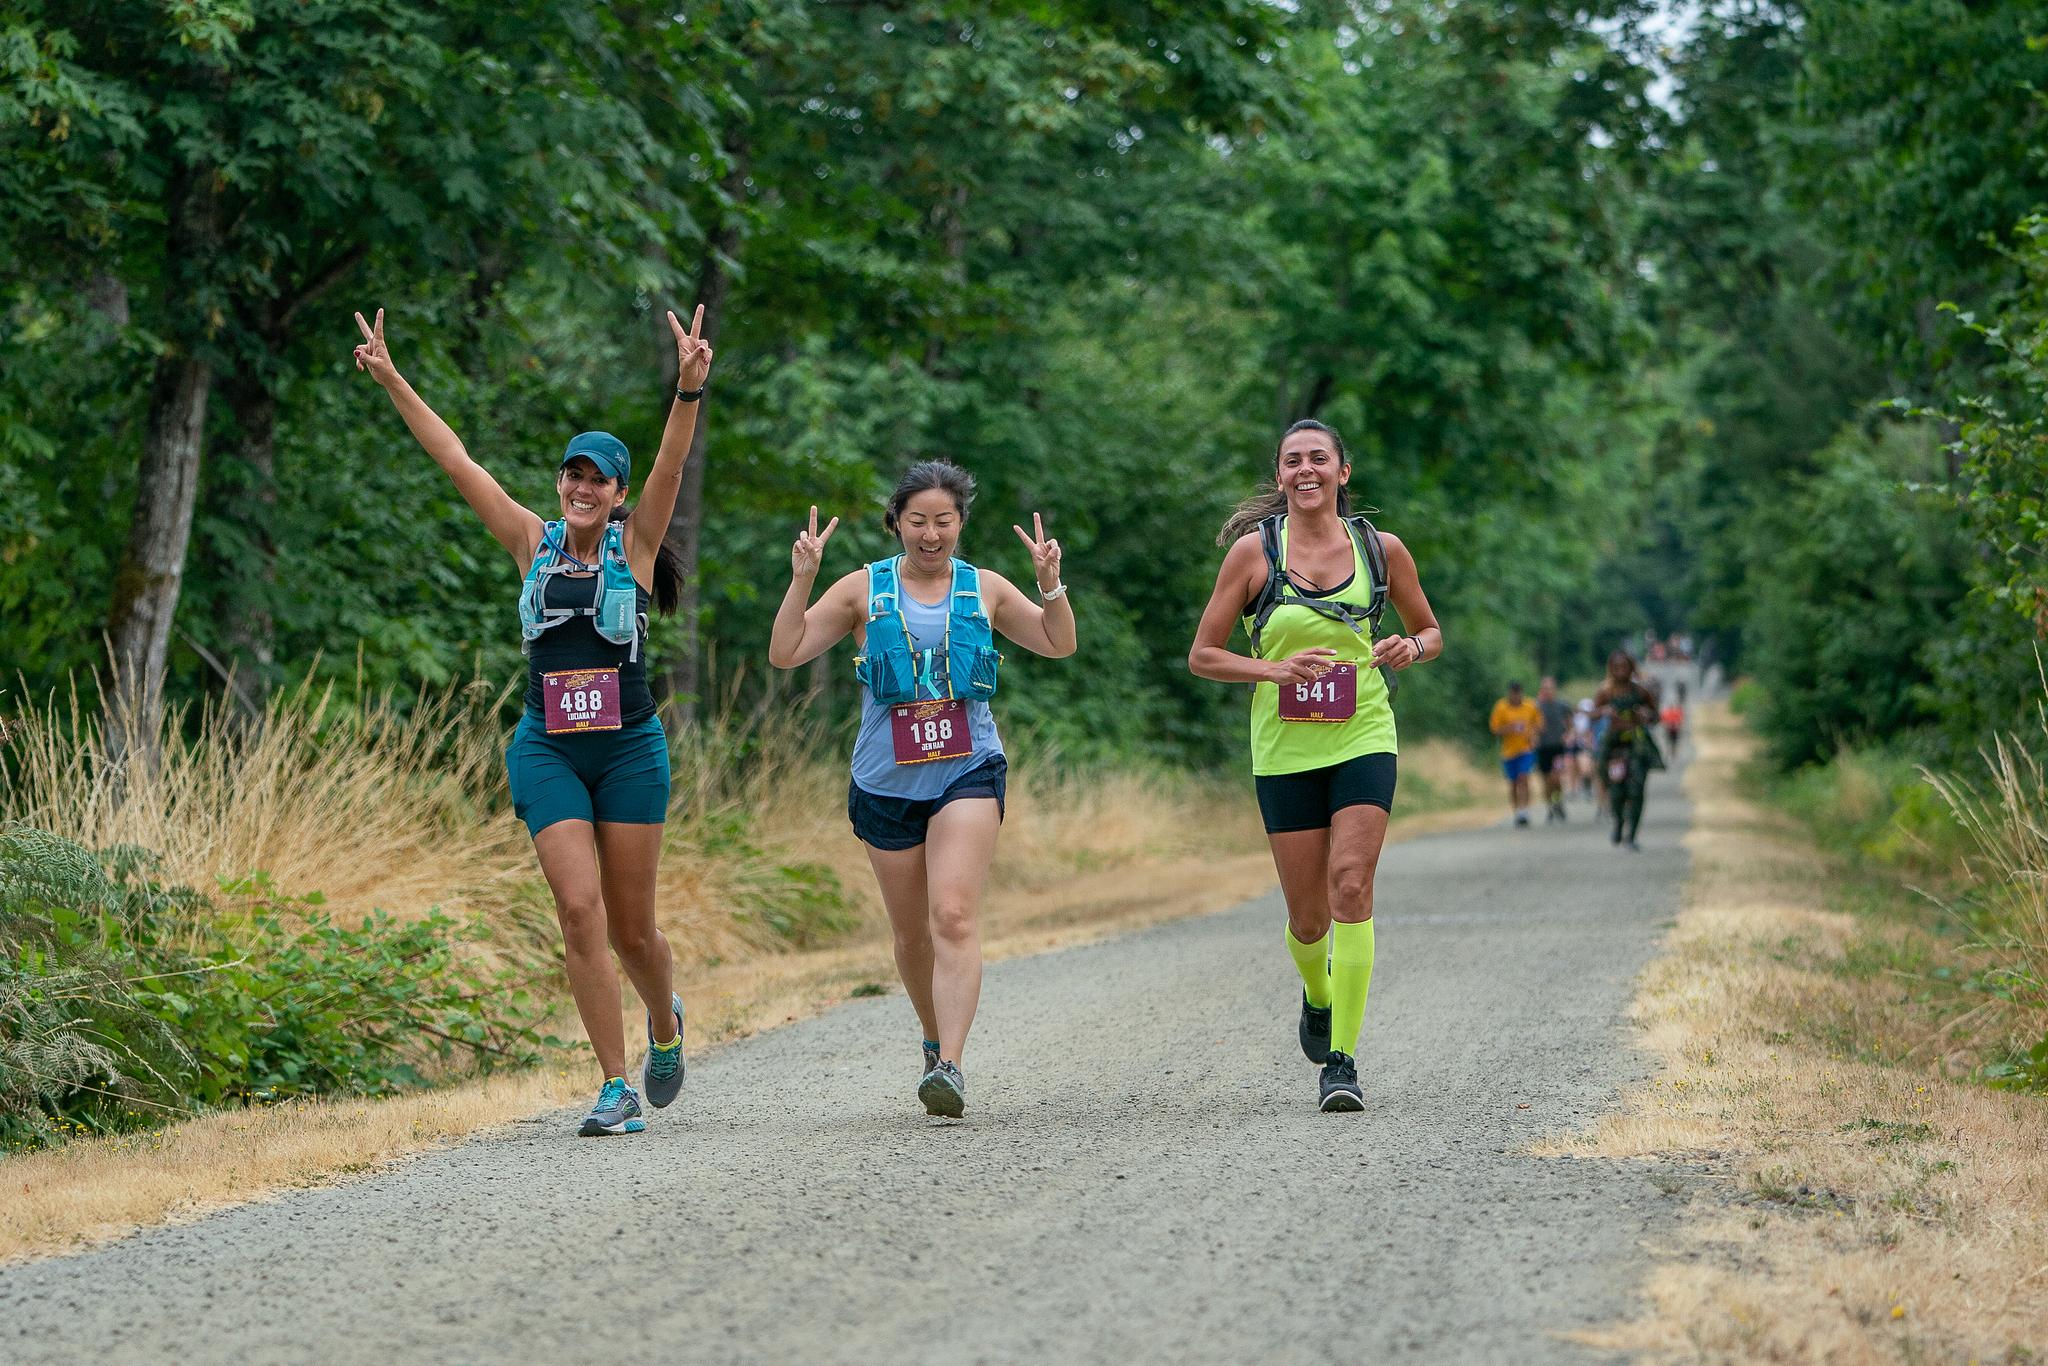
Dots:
{"x": 931, "y": 1059}
{"x": 1340, "y": 1084}
{"x": 1314, "y": 1031}
{"x": 661, "y": 1076}
{"x": 617, "y": 1111}
{"x": 943, "y": 1091}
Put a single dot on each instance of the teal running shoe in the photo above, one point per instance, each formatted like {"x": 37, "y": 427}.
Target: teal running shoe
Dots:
{"x": 661, "y": 1076}
{"x": 931, "y": 1059}
{"x": 617, "y": 1111}
{"x": 943, "y": 1091}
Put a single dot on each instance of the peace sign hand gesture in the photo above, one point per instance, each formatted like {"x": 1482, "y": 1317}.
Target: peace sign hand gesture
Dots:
{"x": 693, "y": 353}
{"x": 371, "y": 354}
{"x": 809, "y": 551}
{"x": 1045, "y": 554}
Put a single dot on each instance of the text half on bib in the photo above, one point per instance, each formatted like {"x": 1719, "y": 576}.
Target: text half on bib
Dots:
{"x": 1341, "y": 715}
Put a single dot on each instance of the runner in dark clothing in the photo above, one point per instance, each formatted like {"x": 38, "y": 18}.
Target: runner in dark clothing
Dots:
{"x": 1550, "y": 746}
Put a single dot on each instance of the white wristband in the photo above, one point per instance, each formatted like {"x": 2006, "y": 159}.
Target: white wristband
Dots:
{"x": 1058, "y": 591}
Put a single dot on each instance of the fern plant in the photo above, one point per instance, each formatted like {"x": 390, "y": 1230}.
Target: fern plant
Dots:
{"x": 77, "y": 1048}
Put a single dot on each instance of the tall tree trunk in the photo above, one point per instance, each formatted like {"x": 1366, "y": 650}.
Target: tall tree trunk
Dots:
{"x": 174, "y": 441}
{"x": 153, "y": 564}
{"x": 685, "y": 672}
{"x": 251, "y": 631}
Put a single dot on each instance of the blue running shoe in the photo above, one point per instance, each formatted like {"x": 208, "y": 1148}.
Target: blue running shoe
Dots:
{"x": 931, "y": 1059}
{"x": 617, "y": 1111}
{"x": 661, "y": 1076}
{"x": 943, "y": 1091}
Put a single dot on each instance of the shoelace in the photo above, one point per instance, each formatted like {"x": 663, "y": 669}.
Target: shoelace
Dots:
{"x": 613, "y": 1095}
{"x": 662, "y": 1059}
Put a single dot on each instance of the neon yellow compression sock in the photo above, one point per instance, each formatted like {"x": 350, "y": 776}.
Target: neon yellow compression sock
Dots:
{"x": 1350, "y": 977}
{"x": 1312, "y": 961}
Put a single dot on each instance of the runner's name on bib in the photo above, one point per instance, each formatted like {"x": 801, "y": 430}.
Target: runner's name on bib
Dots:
{"x": 1332, "y": 696}
{"x": 581, "y": 699}
{"x": 924, "y": 731}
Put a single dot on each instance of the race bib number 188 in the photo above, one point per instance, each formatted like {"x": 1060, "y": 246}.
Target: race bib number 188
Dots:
{"x": 581, "y": 699}
{"x": 924, "y": 731}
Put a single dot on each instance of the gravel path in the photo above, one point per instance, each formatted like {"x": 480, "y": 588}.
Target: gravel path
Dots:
{"x": 1143, "y": 1174}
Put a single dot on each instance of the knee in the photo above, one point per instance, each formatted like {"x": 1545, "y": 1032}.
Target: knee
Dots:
{"x": 1351, "y": 886}
{"x": 583, "y": 927}
{"x": 952, "y": 921}
{"x": 634, "y": 941}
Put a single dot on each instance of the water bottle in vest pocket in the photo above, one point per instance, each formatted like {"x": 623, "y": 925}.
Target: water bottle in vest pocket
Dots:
{"x": 887, "y": 665}
{"x": 972, "y": 659}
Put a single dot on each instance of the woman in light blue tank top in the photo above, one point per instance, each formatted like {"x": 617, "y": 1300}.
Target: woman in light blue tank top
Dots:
{"x": 929, "y": 771}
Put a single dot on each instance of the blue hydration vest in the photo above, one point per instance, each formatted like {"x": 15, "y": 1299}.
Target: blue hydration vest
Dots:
{"x": 616, "y": 611}
{"x": 894, "y": 672}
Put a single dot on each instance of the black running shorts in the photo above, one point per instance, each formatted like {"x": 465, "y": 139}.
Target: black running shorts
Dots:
{"x": 1306, "y": 801}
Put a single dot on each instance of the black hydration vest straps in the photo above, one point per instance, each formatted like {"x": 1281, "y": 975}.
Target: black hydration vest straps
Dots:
{"x": 1279, "y": 593}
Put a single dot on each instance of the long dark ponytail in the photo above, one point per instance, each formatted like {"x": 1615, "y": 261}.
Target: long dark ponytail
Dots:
{"x": 668, "y": 571}
{"x": 1268, "y": 498}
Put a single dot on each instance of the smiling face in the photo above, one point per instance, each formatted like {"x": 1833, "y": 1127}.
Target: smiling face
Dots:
{"x": 929, "y": 527}
{"x": 1310, "y": 470}
{"x": 587, "y": 496}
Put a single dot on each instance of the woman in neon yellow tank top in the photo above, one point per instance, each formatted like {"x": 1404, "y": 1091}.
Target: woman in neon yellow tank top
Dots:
{"x": 1322, "y": 724}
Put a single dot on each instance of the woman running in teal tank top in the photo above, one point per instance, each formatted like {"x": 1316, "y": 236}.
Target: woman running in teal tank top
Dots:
{"x": 588, "y": 763}
{"x": 1322, "y": 721}
{"x": 926, "y": 797}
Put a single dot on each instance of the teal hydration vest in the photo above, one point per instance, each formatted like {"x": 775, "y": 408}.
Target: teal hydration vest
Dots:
{"x": 894, "y": 672}
{"x": 616, "y": 611}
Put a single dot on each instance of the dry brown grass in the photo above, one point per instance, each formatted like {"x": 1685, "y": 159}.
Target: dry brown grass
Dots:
{"x": 1866, "y": 1210}
{"x": 1082, "y": 856}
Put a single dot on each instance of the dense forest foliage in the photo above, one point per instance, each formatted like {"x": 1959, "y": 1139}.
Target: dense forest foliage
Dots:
{"x": 1633, "y": 315}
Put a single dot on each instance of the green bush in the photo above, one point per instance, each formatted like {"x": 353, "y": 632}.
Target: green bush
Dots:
{"x": 123, "y": 1001}
{"x": 1852, "y": 568}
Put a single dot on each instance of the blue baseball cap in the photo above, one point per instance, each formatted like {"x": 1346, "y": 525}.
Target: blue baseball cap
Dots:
{"x": 603, "y": 450}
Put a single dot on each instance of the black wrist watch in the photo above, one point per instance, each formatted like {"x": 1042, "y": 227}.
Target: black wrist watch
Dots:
{"x": 689, "y": 395}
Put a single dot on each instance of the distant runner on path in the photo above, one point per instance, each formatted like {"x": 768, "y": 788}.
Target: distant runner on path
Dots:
{"x": 588, "y": 763}
{"x": 929, "y": 772}
{"x": 1551, "y": 744}
{"x": 1309, "y": 582}
{"x": 1517, "y": 722}
{"x": 1628, "y": 754}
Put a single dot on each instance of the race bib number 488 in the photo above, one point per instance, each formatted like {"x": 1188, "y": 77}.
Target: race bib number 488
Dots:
{"x": 581, "y": 699}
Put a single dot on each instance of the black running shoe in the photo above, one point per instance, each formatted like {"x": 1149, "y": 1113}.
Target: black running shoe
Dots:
{"x": 1340, "y": 1085}
{"x": 943, "y": 1091}
{"x": 1315, "y": 1031}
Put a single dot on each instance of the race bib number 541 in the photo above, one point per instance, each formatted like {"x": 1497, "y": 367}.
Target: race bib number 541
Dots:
{"x": 581, "y": 699}
{"x": 1332, "y": 696}
{"x": 924, "y": 731}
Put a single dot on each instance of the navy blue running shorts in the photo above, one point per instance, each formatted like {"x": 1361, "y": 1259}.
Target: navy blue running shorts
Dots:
{"x": 899, "y": 822}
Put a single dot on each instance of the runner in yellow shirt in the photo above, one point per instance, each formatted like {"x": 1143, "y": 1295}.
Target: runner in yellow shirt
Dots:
{"x": 1517, "y": 721}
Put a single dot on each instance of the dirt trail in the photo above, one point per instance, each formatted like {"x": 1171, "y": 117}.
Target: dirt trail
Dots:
{"x": 1143, "y": 1174}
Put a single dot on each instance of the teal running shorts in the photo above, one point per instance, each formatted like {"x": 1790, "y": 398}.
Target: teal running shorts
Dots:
{"x": 617, "y": 776}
